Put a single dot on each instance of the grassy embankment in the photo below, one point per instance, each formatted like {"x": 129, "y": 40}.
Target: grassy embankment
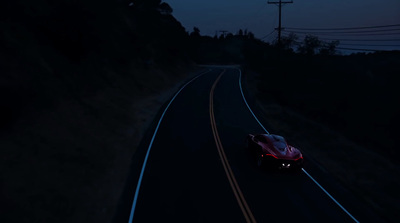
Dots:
{"x": 343, "y": 112}
{"x": 80, "y": 82}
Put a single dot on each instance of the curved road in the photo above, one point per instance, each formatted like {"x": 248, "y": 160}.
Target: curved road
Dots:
{"x": 194, "y": 167}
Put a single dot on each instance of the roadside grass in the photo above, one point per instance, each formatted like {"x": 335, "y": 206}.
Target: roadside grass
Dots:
{"x": 69, "y": 162}
{"x": 370, "y": 176}
{"x": 80, "y": 82}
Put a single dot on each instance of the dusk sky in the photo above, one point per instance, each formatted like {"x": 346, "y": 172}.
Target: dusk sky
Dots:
{"x": 261, "y": 18}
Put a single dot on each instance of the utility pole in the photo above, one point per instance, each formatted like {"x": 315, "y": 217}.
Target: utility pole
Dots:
{"x": 280, "y": 18}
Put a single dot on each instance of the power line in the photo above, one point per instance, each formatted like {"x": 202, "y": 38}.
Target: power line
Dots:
{"x": 280, "y": 17}
{"x": 358, "y": 49}
{"x": 344, "y": 35}
{"x": 355, "y": 44}
{"x": 364, "y": 40}
{"x": 350, "y": 32}
{"x": 373, "y": 34}
{"x": 348, "y": 28}
{"x": 274, "y": 37}
{"x": 268, "y": 35}
{"x": 352, "y": 44}
{"x": 357, "y": 40}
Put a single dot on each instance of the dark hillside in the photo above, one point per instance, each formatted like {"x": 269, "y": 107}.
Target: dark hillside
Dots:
{"x": 343, "y": 112}
{"x": 79, "y": 83}
{"x": 71, "y": 47}
{"x": 356, "y": 95}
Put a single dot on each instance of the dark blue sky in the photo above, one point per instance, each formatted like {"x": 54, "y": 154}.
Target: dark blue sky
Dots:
{"x": 261, "y": 18}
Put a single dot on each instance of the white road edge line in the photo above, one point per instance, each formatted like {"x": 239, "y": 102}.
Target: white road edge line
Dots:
{"x": 241, "y": 91}
{"x": 326, "y": 192}
{"x": 151, "y": 143}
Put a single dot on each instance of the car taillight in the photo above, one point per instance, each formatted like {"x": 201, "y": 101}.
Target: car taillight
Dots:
{"x": 271, "y": 155}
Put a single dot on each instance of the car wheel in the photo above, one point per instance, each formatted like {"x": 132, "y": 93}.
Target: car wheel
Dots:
{"x": 259, "y": 160}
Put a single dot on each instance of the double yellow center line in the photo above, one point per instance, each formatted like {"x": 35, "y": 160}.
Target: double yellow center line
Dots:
{"x": 232, "y": 181}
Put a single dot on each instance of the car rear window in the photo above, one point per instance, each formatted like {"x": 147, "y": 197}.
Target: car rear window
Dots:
{"x": 281, "y": 145}
{"x": 279, "y": 142}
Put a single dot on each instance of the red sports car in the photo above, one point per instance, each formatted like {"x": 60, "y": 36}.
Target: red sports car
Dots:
{"x": 273, "y": 150}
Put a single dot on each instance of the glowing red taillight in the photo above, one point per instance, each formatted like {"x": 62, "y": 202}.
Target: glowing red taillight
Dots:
{"x": 271, "y": 155}
{"x": 298, "y": 158}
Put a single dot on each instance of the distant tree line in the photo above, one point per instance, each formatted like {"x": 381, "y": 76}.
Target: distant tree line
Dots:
{"x": 310, "y": 45}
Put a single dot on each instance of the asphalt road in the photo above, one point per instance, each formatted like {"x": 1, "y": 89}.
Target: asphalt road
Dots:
{"x": 196, "y": 168}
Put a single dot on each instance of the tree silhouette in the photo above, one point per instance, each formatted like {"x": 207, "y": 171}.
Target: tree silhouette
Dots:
{"x": 310, "y": 45}
{"x": 165, "y": 8}
{"x": 240, "y": 33}
{"x": 329, "y": 48}
{"x": 196, "y": 32}
{"x": 287, "y": 42}
{"x": 250, "y": 35}
{"x": 146, "y": 4}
